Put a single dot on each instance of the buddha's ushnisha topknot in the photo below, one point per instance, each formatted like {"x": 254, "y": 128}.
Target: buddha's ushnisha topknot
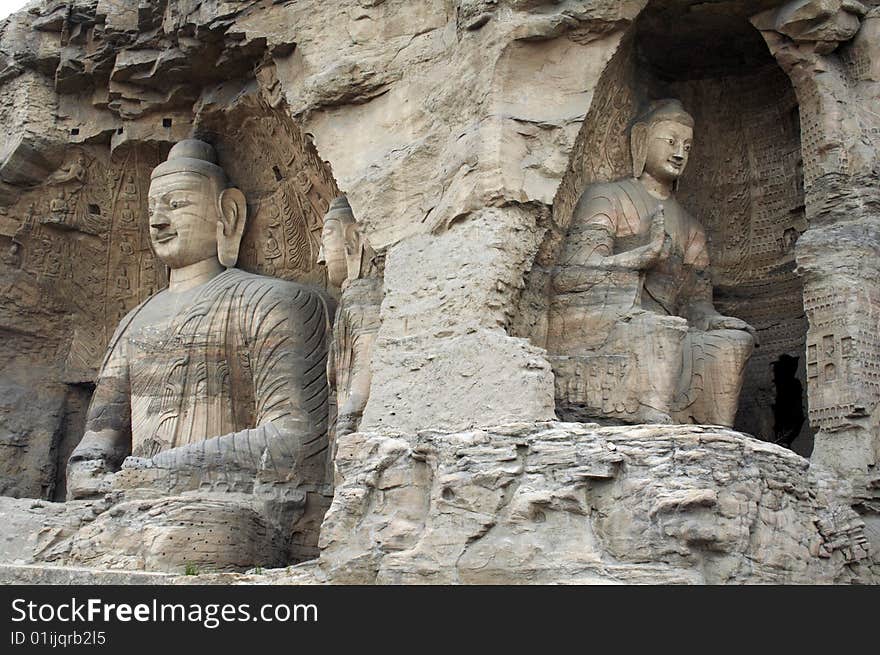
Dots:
{"x": 191, "y": 156}
{"x": 666, "y": 109}
{"x": 340, "y": 211}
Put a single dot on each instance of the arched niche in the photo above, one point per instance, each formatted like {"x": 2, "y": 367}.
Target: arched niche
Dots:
{"x": 744, "y": 183}
{"x": 287, "y": 186}
{"x": 75, "y": 257}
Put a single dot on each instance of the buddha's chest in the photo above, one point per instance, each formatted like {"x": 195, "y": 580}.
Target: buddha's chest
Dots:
{"x": 638, "y": 221}
{"x": 637, "y": 232}
{"x": 184, "y": 351}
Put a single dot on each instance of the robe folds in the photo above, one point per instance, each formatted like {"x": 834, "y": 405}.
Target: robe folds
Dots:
{"x": 627, "y": 341}
{"x": 228, "y": 374}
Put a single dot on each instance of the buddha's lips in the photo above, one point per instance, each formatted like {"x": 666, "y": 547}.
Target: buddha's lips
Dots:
{"x": 162, "y": 238}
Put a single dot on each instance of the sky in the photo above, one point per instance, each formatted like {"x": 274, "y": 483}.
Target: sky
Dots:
{"x": 9, "y": 6}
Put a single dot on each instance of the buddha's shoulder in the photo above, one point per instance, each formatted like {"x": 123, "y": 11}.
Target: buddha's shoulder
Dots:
{"x": 255, "y": 286}
{"x": 613, "y": 191}
{"x": 606, "y": 198}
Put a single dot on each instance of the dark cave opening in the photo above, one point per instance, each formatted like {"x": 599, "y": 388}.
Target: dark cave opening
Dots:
{"x": 788, "y": 408}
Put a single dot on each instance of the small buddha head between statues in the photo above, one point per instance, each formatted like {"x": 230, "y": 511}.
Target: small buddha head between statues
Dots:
{"x": 343, "y": 248}
{"x": 193, "y": 214}
{"x": 661, "y": 141}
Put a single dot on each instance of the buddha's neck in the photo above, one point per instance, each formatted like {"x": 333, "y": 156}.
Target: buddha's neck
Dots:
{"x": 189, "y": 277}
{"x": 657, "y": 188}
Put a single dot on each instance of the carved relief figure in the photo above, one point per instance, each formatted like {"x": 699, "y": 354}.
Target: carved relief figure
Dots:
{"x": 66, "y": 210}
{"x": 75, "y": 171}
{"x": 351, "y": 265}
{"x": 224, "y": 369}
{"x": 12, "y": 256}
{"x": 633, "y": 331}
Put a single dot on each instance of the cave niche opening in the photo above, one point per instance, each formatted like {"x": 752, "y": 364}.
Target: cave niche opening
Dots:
{"x": 744, "y": 183}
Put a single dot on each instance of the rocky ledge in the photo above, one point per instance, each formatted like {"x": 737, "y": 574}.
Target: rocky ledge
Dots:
{"x": 523, "y": 503}
{"x": 576, "y": 503}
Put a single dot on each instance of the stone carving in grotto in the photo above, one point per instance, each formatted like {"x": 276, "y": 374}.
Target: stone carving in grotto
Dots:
{"x": 12, "y": 256}
{"x": 67, "y": 208}
{"x": 221, "y": 374}
{"x": 633, "y": 332}
{"x": 353, "y": 266}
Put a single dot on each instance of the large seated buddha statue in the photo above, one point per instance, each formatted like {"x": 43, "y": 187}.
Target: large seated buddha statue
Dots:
{"x": 220, "y": 376}
{"x": 633, "y": 332}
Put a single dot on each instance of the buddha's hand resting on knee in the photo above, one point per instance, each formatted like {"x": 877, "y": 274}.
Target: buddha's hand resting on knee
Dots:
{"x": 87, "y": 478}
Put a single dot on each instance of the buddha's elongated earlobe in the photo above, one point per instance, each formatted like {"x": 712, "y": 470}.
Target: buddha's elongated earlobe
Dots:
{"x": 232, "y": 213}
{"x": 353, "y": 250}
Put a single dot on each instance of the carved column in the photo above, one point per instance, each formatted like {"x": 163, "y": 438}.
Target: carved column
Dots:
{"x": 833, "y": 60}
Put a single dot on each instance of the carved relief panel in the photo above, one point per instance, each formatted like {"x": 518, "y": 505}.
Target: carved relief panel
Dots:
{"x": 75, "y": 257}
{"x": 81, "y": 240}
{"x": 843, "y": 355}
{"x": 288, "y": 188}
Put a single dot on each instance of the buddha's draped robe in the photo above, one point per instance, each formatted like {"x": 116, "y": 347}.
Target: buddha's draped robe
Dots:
{"x": 694, "y": 375}
{"x": 230, "y": 374}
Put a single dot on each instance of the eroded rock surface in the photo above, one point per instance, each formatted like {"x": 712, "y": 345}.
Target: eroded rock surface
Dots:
{"x": 462, "y": 132}
{"x": 573, "y": 503}
{"x": 550, "y": 503}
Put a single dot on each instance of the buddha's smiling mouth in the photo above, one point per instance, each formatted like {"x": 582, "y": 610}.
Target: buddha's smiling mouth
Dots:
{"x": 164, "y": 238}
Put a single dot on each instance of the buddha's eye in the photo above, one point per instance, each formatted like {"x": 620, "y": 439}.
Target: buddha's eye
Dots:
{"x": 687, "y": 147}
{"x": 176, "y": 204}
{"x": 670, "y": 142}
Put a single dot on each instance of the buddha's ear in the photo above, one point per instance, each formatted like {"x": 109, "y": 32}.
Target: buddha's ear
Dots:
{"x": 353, "y": 249}
{"x": 232, "y": 213}
{"x": 638, "y": 141}
{"x": 352, "y": 235}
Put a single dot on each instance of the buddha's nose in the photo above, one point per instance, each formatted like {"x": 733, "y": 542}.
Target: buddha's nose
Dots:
{"x": 158, "y": 222}
{"x": 321, "y": 259}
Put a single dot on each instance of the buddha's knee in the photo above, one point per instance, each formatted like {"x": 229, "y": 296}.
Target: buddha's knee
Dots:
{"x": 652, "y": 331}
{"x": 737, "y": 344}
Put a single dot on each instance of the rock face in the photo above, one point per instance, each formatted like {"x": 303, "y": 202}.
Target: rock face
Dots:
{"x": 575, "y": 503}
{"x": 462, "y": 133}
{"x": 152, "y": 532}
{"x": 36, "y": 527}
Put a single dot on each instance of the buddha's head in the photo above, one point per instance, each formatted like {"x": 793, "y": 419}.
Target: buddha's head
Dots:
{"x": 194, "y": 216}
{"x": 661, "y": 141}
{"x": 338, "y": 237}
